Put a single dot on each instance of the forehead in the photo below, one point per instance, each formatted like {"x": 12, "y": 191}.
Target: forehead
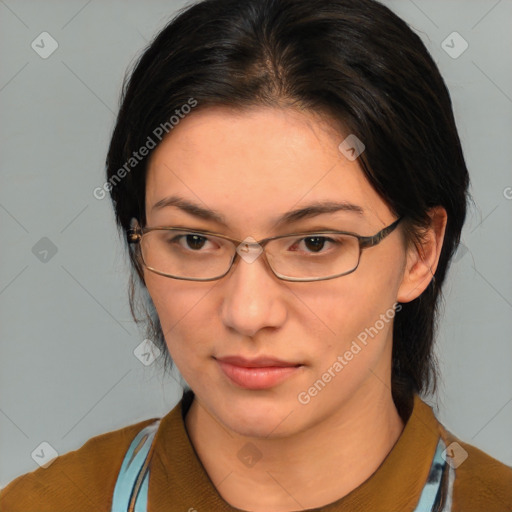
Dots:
{"x": 254, "y": 164}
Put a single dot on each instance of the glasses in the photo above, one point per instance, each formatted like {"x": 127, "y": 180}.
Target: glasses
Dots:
{"x": 205, "y": 256}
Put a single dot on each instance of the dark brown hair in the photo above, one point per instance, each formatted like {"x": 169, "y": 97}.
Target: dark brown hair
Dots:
{"x": 354, "y": 60}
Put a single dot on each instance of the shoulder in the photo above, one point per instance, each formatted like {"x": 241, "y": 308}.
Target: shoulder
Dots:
{"x": 80, "y": 480}
{"x": 481, "y": 482}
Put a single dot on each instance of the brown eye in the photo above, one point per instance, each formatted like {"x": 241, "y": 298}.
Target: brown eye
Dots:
{"x": 315, "y": 244}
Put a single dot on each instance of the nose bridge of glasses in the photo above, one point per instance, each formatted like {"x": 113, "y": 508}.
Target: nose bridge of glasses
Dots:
{"x": 249, "y": 249}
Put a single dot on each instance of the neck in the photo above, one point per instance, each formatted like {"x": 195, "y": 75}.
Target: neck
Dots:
{"x": 348, "y": 447}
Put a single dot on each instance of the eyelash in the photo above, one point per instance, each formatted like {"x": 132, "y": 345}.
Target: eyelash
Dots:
{"x": 177, "y": 238}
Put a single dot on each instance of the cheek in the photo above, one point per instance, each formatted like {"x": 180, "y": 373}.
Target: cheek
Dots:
{"x": 349, "y": 305}
{"x": 180, "y": 309}
{"x": 347, "y": 308}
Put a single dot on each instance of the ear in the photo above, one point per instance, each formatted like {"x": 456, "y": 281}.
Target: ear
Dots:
{"x": 422, "y": 261}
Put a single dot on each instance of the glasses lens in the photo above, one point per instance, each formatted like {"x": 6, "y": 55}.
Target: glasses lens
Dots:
{"x": 318, "y": 255}
{"x": 193, "y": 255}
{"x": 186, "y": 254}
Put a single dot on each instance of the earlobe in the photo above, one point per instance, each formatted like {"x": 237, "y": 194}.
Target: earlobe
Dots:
{"x": 422, "y": 261}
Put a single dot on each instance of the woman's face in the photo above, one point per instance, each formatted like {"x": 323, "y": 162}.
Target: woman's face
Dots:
{"x": 252, "y": 168}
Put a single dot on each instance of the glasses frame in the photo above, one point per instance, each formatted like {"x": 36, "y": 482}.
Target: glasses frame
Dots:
{"x": 134, "y": 236}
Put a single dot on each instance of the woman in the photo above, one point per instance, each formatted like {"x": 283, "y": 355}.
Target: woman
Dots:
{"x": 290, "y": 183}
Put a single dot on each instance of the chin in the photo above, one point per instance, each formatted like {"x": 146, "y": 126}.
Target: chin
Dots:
{"x": 263, "y": 416}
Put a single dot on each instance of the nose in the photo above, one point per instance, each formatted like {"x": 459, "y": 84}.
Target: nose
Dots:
{"x": 254, "y": 298}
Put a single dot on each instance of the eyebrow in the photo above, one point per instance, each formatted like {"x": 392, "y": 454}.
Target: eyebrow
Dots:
{"x": 311, "y": 210}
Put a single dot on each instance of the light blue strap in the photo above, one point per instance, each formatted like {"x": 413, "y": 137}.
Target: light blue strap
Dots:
{"x": 141, "y": 503}
{"x": 132, "y": 464}
{"x": 433, "y": 485}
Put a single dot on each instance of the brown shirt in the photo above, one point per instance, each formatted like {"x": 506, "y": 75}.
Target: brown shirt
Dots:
{"x": 84, "y": 479}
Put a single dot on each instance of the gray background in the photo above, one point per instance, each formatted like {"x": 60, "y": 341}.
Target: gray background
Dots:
{"x": 67, "y": 368}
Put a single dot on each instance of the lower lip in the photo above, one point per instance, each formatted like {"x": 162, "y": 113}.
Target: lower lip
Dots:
{"x": 257, "y": 378}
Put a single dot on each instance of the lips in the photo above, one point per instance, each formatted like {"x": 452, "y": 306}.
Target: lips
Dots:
{"x": 257, "y": 374}
{"x": 259, "y": 362}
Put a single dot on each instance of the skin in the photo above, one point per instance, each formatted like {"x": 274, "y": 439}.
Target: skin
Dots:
{"x": 252, "y": 166}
